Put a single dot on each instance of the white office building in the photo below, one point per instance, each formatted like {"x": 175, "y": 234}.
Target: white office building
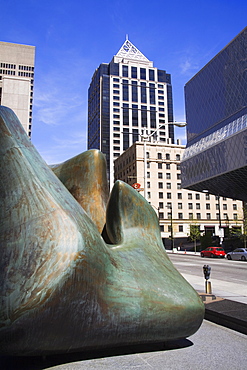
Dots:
{"x": 127, "y": 97}
{"x": 17, "y": 80}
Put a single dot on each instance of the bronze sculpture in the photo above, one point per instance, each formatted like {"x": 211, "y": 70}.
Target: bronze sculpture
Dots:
{"x": 64, "y": 285}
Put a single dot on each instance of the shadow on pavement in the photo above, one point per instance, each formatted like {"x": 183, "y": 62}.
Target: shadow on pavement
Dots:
{"x": 39, "y": 362}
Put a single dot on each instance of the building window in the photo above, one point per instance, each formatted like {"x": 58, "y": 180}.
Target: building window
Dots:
{"x": 125, "y": 71}
{"x": 160, "y": 185}
{"x": 177, "y": 157}
{"x": 168, "y": 166}
{"x": 144, "y": 116}
{"x": 160, "y": 175}
{"x": 161, "y": 215}
{"x": 168, "y": 176}
{"x": 148, "y": 164}
{"x": 189, "y": 196}
{"x": 148, "y": 175}
{"x": 180, "y": 228}
{"x": 167, "y": 156}
{"x": 207, "y": 196}
{"x": 169, "y": 195}
{"x": 148, "y": 185}
{"x": 168, "y": 185}
{"x": 143, "y": 73}
{"x": 160, "y": 195}
{"x": 178, "y": 176}
{"x": 207, "y": 205}
{"x": 134, "y": 92}
{"x": 198, "y": 216}
{"x": 234, "y": 207}
{"x": 197, "y": 196}
{"x": 133, "y": 72}
{"x": 198, "y": 206}
{"x": 235, "y": 216}
{"x": 225, "y": 207}
{"x": 160, "y": 166}
{"x": 190, "y": 216}
{"x": 149, "y": 194}
{"x": 179, "y": 195}
{"x": 190, "y": 205}
{"x": 161, "y": 205}
{"x": 180, "y": 215}
{"x": 180, "y": 205}
{"x": 125, "y": 90}
{"x": 179, "y": 185}
{"x": 225, "y": 215}
{"x": 217, "y": 206}
{"x": 161, "y": 228}
{"x": 169, "y": 216}
{"x": 178, "y": 167}
{"x": 159, "y": 155}
{"x": 143, "y": 92}
{"x": 151, "y": 75}
{"x": 208, "y": 216}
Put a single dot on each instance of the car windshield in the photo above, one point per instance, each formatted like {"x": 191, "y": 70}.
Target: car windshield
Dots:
{"x": 219, "y": 249}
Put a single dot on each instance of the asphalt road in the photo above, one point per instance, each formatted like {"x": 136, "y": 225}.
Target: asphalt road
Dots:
{"x": 228, "y": 278}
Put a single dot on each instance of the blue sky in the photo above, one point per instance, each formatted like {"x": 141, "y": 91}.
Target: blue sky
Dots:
{"x": 72, "y": 37}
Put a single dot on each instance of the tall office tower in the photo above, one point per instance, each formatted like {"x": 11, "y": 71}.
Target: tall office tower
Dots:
{"x": 127, "y": 98}
{"x": 16, "y": 80}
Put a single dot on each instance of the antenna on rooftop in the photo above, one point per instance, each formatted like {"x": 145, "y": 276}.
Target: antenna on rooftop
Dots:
{"x": 127, "y": 37}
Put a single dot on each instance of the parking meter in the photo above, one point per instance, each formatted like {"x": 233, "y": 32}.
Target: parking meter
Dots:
{"x": 206, "y": 271}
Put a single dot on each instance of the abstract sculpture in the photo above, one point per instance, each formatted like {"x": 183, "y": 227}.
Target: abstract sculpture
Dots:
{"x": 64, "y": 287}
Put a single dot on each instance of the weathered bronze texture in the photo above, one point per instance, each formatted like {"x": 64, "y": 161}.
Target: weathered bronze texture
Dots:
{"x": 63, "y": 288}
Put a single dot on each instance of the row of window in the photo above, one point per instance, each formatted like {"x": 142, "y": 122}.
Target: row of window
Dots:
{"x": 180, "y": 216}
{"x": 13, "y": 66}
{"x": 25, "y": 74}
{"x": 134, "y": 73}
{"x": 7, "y": 72}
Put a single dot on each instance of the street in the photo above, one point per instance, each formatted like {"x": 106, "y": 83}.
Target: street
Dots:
{"x": 228, "y": 278}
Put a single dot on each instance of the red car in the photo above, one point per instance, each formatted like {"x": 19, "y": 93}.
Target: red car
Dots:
{"x": 213, "y": 252}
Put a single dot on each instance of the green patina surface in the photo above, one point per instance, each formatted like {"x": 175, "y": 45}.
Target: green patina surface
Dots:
{"x": 65, "y": 287}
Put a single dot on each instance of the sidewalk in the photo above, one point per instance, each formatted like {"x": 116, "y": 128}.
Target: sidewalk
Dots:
{"x": 231, "y": 313}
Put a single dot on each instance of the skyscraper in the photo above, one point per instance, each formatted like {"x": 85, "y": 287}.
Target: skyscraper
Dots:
{"x": 127, "y": 98}
{"x": 16, "y": 80}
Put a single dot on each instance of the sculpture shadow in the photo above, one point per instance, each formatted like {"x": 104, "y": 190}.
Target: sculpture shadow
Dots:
{"x": 38, "y": 362}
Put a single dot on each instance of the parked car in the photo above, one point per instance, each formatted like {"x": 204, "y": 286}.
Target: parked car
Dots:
{"x": 238, "y": 254}
{"x": 213, "y": 252}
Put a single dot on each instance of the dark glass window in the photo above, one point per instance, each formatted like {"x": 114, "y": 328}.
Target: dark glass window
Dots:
{"x": 153, "y": 119}
{"x": 151, "y": 75}
{"x": 134, "y": 91}
{"x": 143, "y": 73}
{"x": 144, "y": 117}
{"x": 125, "y": 71}
{"x": 134, "y": 72}
{"x": 143, "y": 92}
{"x": 135, "y": 135}
{"x": 161, "y": 76}
{"x": 151, "y": 93}
{"x": 134, "y": 116}
{"x": 125, "y": 116}
{"x": 125, "y": 138}
{"x": 125, "y": 90}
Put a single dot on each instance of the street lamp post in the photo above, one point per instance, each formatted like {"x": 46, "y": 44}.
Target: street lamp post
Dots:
{"x": 220, "y": 225}
{"x": 171, "y": 226}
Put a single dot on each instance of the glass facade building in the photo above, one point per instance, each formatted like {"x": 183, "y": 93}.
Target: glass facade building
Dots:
{"x": 216, "y": 113}
{"x": 127, "y": 98}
